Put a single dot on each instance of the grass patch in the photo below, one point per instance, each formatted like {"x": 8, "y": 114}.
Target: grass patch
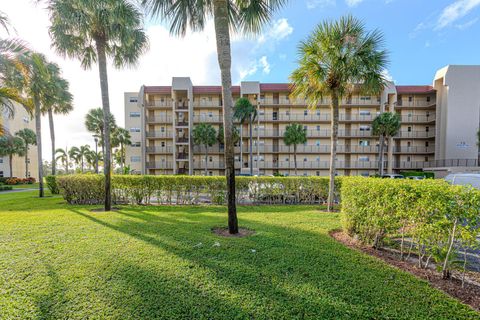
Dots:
{"x": 61, "y": 261}
{"x": 27, "y": 186}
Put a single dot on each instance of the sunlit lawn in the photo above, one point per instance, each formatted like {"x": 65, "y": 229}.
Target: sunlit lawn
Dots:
{"x": 60, "y": 261}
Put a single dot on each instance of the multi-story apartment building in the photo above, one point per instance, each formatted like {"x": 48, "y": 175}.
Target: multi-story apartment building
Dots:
{"x": 19, "y": 121}
{"x": 438, "y": 128}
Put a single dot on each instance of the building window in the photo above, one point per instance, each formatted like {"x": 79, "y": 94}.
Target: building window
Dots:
{"x": 162, "y": 129}
{"x": 364, "y": 112}
{"x": 410, "y": 99}
{"x": 363, "y": 159}
{"x": 135, "y": 159}
{"x": 210, "y": 159}
{"x": 426, "y": 143}
{"x": 427, "y": 129}
{"x": 134, "y": 114}
{"x": 318, "y": 159}
{"x": 305, "y": 127}
{"x": 364, "y": 143}
{"x": 364, "y": 128}
{"x": 408, "y": 159}
{"x": 317, "y": 143}
{"x": 305, "y": 112}
{"x": 409, "y": 129}
{"x": 318, "y": 173}
{"x": 163, "y": 144}
{"x": 365, "y": 98}
{"x": 1, "y": 174}
{"x": 287, "y": 113}
{"x": 286, "y": 159}
{"x": 136, "y": 144}
{"x": 133, "y": 99}
{"x": 318, "y": 128}
{"x": 428, "y": 99}
{"x": 409, "y": 144}
{"x": 210, "y": 115}
{"x": 134, "y": 129}
{"x": 1, "y": 160}
{"x": 318, "y": 113}
{"x": 305, "y": 159}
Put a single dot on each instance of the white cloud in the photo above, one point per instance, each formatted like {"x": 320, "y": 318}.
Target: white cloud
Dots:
{"x": 466, "y": 25}
{"x": 313, "y": 4}
{"x": 193, "y": 56}
{"x": 353, "y": 3}
{"x": 455, "y": 11}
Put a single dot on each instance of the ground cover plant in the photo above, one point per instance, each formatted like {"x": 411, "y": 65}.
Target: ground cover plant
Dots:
{"x": 141, "y": 262}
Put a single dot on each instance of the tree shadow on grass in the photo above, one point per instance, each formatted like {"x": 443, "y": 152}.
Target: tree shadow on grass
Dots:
{"x": 293, "y": 272}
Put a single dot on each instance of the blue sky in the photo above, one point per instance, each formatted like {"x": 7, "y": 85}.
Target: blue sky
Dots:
{"x": 421, "y": 35}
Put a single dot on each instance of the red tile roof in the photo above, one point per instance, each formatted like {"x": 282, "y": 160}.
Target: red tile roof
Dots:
{"x": 275, "y": 87}
{"x": 414, "y": 89}
{"x": 158, "y": 89}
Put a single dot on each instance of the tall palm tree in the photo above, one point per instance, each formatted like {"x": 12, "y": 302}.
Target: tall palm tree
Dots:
{"x": 91, "y": 159}
{"x": 78, "y": 154}
{"x": 92, "y": 31}
{"x": 34, "y": 81}
{"x": 58, "y": 101}
{"x": 240, "y": 15}
{"x": 204, "y": 134}
{"x": 295, "y": 134}
{"x": 62, "y": 155}
{"x": 29, "y": 138}
{"x": 245, "y": 112}
{"x": 337, "y": 58}
{"x": 11, "y": 146}
{"x": 121, "y": 137}
{"x": 4, "y": 22}
{"x": 385, "y": 125}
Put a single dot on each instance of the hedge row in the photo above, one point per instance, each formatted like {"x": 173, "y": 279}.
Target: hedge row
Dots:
{"x": 89, "y": 189}
{"x": 434, "y": 217}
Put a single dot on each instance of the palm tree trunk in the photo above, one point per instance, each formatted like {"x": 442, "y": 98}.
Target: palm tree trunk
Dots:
{"x": 251, "y": 147}
{"x": 38, "y": 129}
{"x": 82, "y": 163}
{"x": 295, "y": 158}
{"x": 26, "y": 160}
{"x": 52, "y": 139}
{"x": 380, "y": 155}
{"x": 333, "y": 149}
{"x": 10, "y": 164}
{"x": 102, "y": 68}
{"x": 222, "y": 34}
{"x": 121, "y": 158}
{"x": 390, "y": 155}
{"x": 206, "y": 160}
{"x": 241, "y": 146}
{"x": 96, "y": 157}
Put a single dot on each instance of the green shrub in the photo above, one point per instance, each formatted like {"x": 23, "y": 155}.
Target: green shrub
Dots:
{"x": 434, "y": 214}
{"x": 5, "y": 188}
{"x": 52, "y": 184}
{"x": 182, "y": 189}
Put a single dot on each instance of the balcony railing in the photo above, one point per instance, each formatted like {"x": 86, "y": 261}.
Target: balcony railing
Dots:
{"x": 159, "y": 165}
{"x": 159, "y": 134}
{"x": 422, "y": 103}
{"x": 181, "y": 139}
{"x": 159, "y": 149}
{"x": 418, "y": 118}
{"x": 373, "y": 101}
{"x": 159, "y": 104}
{"x": 159, "y": 119}
{"x": 208, "y": 119}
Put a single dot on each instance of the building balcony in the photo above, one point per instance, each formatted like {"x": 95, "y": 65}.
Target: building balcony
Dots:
{"x": 373, "y": 101}
{"x": 158, "y": 104}
{"x": 207, "y": 119}
{"x": 181, "y": 140}
{"x": 159, "y": 120}
{"x": 159, "y": 149}
{"x": 182, "y": 156}
{"x": 160, "y": 165}
{"x": 181, "y": 123}
{"x": 418, "y": 118}
{"x": 159, "y": 134}
{"x": 415, "y": 104}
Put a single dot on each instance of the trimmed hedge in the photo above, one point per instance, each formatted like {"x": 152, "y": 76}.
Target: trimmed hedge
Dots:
{"x": 89, "y": 189}
{"x": 52, "y": 184}
{"x": 5, "y": 188}
{"x": 439, "y": 218}
{"x": 429, "y": 175}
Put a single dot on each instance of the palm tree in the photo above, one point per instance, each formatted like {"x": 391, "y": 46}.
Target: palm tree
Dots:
{"x": 91, "y": 159}
{"x": 58, "y": 101}
{"x": 121, "y": 137}
{"x": 204, "y": 134}
{"x": 29, "y": 138}
{"x": 34, "y": 81}
{"x": 295, "y": 134}
{"x": 245, "y": 111}
{"x": 74, "y": 154}
{"x": 11, "y": 146}
{"x": 62, "y": 155}
{"x": 92, "y": 31}
{"x": 94, "y": 122}
{"x": 10, "y": 66}
{"x": 221, "y": 136}
{"x": 385, "y": 125}
{"x": 78, "y": 155}
{"x": 337, "y": 58}
{"x": 241, "y": 15}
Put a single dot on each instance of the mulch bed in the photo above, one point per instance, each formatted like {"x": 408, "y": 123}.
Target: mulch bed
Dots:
{"x": 470, "y": 294}
{"x": 223, "y": 232}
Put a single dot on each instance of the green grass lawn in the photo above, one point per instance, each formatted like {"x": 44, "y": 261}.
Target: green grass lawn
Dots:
{"x": 26, "y": 186}
{"x": 60, "y": 261}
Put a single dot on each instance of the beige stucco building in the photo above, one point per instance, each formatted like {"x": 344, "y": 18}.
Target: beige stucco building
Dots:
{"x": 20, "y": 120}
{"x": 439, "y": 125}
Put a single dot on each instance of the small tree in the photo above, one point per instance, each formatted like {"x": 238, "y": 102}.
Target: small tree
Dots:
{"x": 295, "y": 134}
{"x": 11, "y": 146}
{"x": 29, "y": 138}
{"x": 204, "y": 134}
{"x": 121, "y": 137}
{"x": 62, "y": 155}
{"x": 385, "y": 125}
{"x": 246, "y": 112}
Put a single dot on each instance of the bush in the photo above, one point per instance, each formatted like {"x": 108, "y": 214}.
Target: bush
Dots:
{"x": 52, "y": 184}
{"x": 16, "y": 181}
{"x": 5, "y": 188}
{"x": 88, "y": 189}
{"x": 433, "y": 213}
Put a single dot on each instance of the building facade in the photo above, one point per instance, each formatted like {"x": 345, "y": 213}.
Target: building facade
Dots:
{"x": 438, "y": 129}
{"x": 19, "y": 121}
